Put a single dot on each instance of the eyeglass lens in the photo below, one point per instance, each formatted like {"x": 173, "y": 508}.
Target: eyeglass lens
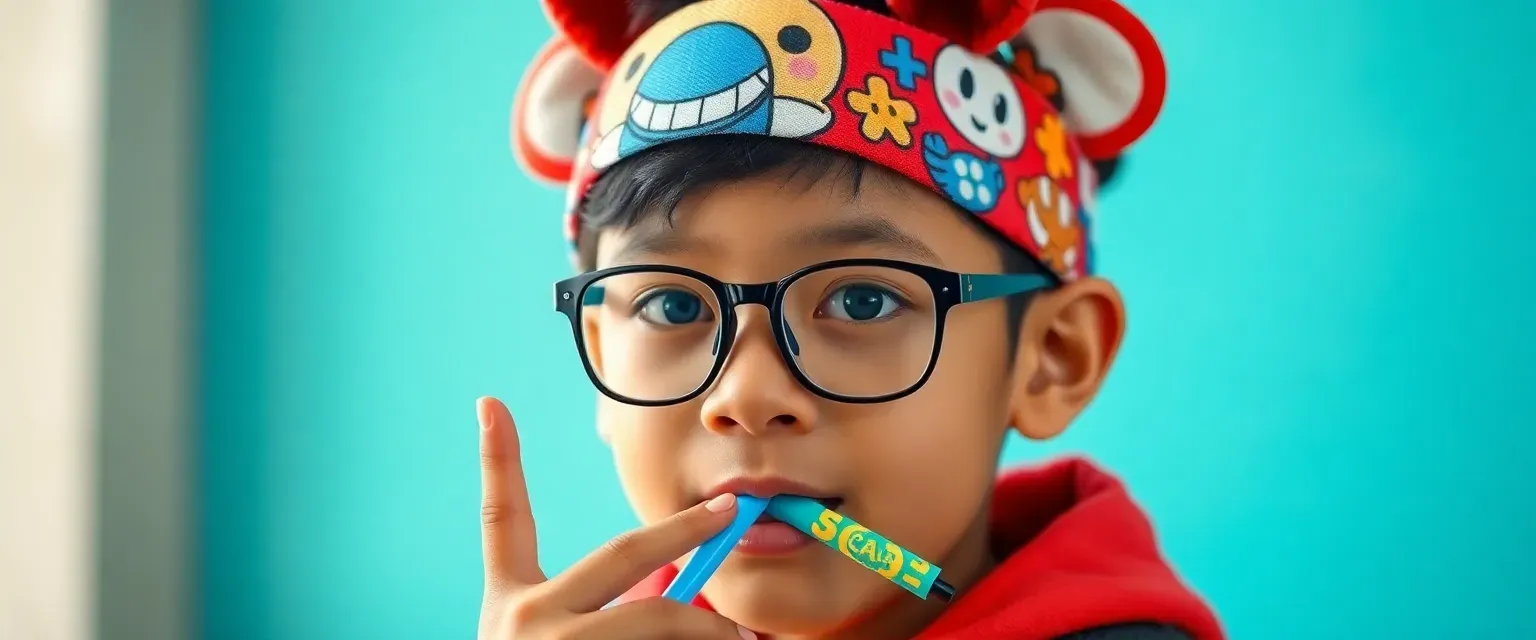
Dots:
{"x": 855, "y": 331}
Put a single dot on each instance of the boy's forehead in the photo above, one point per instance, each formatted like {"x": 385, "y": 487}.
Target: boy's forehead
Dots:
{"x": 770, "y": 222}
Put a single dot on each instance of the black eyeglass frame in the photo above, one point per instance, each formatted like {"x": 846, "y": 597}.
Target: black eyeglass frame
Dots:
{"x": 949, "y": 288}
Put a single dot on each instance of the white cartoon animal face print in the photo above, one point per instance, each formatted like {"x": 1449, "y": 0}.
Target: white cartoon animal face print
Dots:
{"x": 980, "y": 100}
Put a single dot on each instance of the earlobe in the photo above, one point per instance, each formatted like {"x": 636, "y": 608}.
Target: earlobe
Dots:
{"x": 1067, "y": 342}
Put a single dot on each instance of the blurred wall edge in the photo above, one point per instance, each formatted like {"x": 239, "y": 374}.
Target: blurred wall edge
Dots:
{"x": 145, "y": 489}
{"x": 93, "y": 278}
{"x": 50, "y": 57}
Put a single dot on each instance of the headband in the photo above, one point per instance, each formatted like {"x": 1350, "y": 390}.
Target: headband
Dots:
{"x": 1000, "y": 106}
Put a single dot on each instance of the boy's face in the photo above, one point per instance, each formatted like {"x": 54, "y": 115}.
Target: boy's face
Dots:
{"x": 917, "y": 470}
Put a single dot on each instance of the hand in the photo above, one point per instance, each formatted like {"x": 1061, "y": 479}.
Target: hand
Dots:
{"x": 520, "y": 603}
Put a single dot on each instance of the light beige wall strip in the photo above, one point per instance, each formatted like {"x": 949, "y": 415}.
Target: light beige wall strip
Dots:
{"x": 50, "y": 53}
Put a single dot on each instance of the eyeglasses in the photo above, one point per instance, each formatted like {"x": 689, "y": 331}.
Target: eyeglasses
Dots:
{"x": 858, "y": 331}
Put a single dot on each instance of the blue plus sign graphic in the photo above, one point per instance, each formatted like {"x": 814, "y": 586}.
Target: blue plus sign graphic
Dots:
{"x": 899, "y": 59}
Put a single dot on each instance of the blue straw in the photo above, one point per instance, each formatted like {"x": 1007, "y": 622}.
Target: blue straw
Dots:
{"x": 710, "y": 554}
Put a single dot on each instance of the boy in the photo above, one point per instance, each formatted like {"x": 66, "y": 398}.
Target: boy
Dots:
{"x": 831, "y": 250}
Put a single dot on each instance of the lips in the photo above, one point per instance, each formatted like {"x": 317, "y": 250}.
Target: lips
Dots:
{"x": 770, "y": 486}
{"x": 650, "y": 115}
{"x": 767, "y": 537}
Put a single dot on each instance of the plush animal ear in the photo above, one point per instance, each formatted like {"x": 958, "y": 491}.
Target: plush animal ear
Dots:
{"x": 1111, "y": 72}
{"x": 551, "y": 109}
{"x": 598, "y": 29}
{"x": 978, "y": 25}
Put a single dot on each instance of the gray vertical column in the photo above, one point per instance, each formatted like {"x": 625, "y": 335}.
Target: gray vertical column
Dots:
{"x": 146, "y": 483}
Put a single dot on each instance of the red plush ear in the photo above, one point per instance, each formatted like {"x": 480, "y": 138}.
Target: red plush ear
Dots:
{"x": 1111, "y": 70}
{"x": 978, "y": 25}
{"x": 550, "y": 110}
{"x": 599, "y": 29}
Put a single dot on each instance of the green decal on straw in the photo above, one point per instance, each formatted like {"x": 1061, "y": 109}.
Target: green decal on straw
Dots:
{"x": 852, "y": 539}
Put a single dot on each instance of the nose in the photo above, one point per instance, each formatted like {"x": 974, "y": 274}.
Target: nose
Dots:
{"x": 756, "y": 393}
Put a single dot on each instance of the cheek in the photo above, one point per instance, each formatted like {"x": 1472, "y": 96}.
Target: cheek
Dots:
{"x": 802, "y": 67}
{"x": 951, "y": 99}
{"x": 927, "y": 463}
{"x": 648, "y": 454}
{"x": 928, "y": 485}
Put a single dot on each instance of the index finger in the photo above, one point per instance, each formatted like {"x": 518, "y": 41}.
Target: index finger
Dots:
{"x": 607, "y": 573}
{"x": 509, "y": 541}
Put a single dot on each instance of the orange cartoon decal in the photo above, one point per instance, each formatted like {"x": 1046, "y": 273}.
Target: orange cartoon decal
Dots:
{"x": 1052, "y": 222}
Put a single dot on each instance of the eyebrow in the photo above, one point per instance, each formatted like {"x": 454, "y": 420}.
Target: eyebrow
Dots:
{"x": 870, "y": 232}
{"x": 876, "y": 232}
{"x": 661, "y": 241}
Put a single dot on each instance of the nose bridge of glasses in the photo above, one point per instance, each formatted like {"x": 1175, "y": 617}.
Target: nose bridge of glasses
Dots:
{"x": 760, "y": 294}
{"x": 740, "y": 294}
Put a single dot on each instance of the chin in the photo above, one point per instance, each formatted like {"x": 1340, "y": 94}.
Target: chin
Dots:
{"x": 785, "y": 601}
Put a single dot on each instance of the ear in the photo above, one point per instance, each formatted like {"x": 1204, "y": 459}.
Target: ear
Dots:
{"x": 978, "y": 25}
{"x": 1067, "y": 342}
{"x": 1111, "y": 71}
{"x": 551, "y": 109}
{"x": 598, "y": 29}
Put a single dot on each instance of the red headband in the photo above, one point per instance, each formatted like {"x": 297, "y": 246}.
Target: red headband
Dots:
{"x": 985, "y": 136}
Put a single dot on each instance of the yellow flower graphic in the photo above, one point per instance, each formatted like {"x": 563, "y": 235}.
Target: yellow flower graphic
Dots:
{"x": 883, "y": 114}
{"x": 1051, "y": 137}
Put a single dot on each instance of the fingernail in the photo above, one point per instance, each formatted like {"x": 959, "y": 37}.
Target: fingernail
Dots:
{"x": 482, "y": 411}
{"x": 720, "y": 503}
{"x": 746, "y": 634}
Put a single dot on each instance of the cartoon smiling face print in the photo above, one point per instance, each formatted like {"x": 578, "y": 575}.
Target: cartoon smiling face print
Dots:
{"x": 980, "y": 100}
{"x": 725, "y": 66}
{"x": 1052, "y": 222}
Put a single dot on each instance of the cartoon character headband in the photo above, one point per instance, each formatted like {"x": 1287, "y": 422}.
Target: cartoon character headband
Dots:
{"x": 1012, "y": 143}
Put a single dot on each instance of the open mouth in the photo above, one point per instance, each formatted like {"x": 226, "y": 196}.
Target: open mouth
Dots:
{"x": 653, "y": 116}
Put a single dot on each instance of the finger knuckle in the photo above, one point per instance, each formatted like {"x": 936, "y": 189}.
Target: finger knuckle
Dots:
{"x": 522, "y": 614}
{"x": 492, "y": 514}
{"x": 490, "y": 457}
{"x": 626, "y": 547}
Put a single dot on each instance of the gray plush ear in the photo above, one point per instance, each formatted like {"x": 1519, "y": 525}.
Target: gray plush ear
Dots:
{"x": 551, "y": 109}
{"x": 1110, "y": 71}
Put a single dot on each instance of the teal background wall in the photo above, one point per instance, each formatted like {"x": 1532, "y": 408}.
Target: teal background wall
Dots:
{"x": 1323, "y": 400}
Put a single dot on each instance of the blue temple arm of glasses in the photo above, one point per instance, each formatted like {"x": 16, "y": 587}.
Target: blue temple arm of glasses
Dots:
{"x": 986, "y": 286}
{"x": 709, "y": 555}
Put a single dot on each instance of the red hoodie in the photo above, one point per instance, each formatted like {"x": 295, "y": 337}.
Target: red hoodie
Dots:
{"x": 1077, "y": 554}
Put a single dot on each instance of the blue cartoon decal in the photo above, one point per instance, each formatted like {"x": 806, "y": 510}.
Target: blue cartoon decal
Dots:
{"x": 695, "y": 73}
{"x": 680, "y": 98}
{"x": 971, "y": 181}
{"x": 900, "y": 61}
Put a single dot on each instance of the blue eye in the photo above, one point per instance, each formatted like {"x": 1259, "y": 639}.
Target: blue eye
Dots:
{"x": 673, "y": 307}
{"x": 861, "y": 303}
